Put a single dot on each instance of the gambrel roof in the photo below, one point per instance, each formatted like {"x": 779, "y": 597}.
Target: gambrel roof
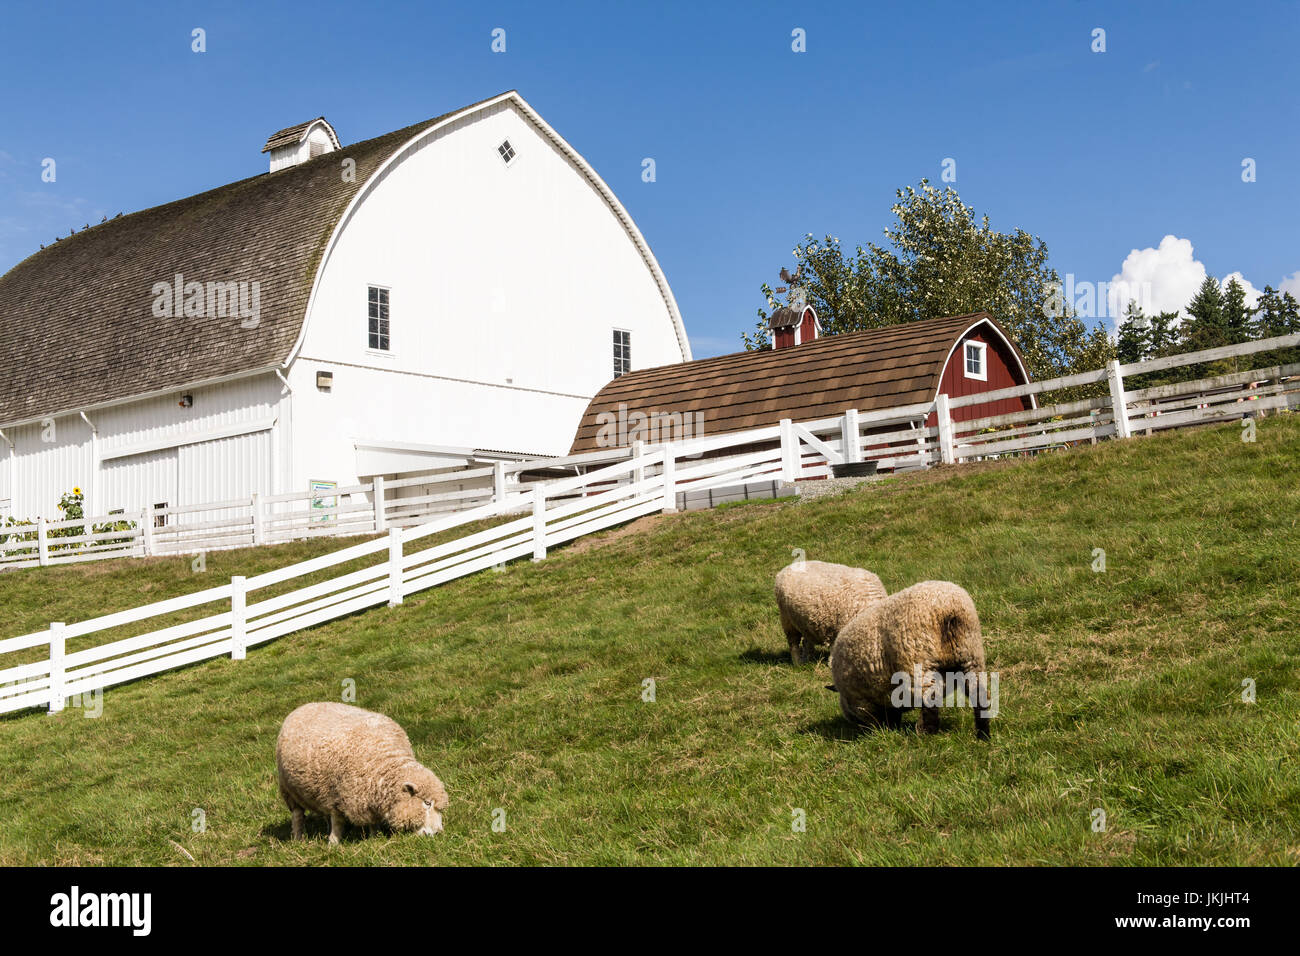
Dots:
{"x": 880, "y": 368}
{"x": 76, "y": 319}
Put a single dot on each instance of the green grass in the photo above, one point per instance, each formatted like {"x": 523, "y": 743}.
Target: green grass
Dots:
{"x": 523, "y": 689}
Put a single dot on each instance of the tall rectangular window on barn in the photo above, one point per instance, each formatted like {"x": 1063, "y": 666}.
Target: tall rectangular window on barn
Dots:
{"x": 975, "y": 361}
{"x": 378, "y": 319}
{"x": 622, "y": 352}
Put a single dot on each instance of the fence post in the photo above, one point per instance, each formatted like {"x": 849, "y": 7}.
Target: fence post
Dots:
{"x": 146, "y": 526}
{"x": 851, "y": 436}
{"x": 57, "y": 649}
{"x": 238, "y": 623}
{"x": 539, "y": 522}
{"x": 1119, "y": 410}
{"x": 498, "y": 482}
{"x": 638, "y": 449}
{"x": 42, "y": 543}
{"x": 259, "y": 527}
{"x": 670, "y": 480}
{"x": 789, "y": 451}
{"x": 944, "y": 415}
{"x": 394, "y": 567}
{"x": 377, "y": 490}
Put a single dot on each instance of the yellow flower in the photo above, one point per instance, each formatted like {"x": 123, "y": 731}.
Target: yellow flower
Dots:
{"x": 76, "y": 490}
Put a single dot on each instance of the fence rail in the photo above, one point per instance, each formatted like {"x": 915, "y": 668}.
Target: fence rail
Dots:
{"x": 528, "y": 520}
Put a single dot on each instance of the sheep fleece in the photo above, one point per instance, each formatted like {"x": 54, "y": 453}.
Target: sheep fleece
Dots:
{"x": 932, "y": 625}
{"x": 336, "y": 758}
{"x": 820, "y": 599}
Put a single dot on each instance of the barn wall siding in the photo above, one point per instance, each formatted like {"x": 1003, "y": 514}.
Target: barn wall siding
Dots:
{"x": 44, "y": 470}
{"x": 1003, "y": 372}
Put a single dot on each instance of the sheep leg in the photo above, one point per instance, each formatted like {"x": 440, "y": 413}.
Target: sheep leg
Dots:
{"x": 929, "y": 722}
{"x": 892, "y": 717}
{"x": 809, "y": 649}
{"x": 981, "y": 715}
{"x": 336, "y": 827}
{"x": 794, "y": 638}
{"x": 299, "y": 828}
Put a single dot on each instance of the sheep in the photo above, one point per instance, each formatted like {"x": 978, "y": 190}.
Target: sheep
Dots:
{"x": 817, "y": 598}
{"x": 926, "y": 633}
{"x": 357, "y": 767}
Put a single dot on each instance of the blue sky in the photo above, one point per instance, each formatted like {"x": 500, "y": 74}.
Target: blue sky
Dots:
{"x": 755, "y": 145}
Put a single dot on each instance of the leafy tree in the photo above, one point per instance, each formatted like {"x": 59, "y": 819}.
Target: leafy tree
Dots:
{"x": 942, "y": 260}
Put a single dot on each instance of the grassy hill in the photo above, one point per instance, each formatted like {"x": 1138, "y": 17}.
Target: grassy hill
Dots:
{"x": 523, "y": 689}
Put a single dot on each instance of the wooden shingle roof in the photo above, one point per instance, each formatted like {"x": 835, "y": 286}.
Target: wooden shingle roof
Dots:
{"x": 880, "y": 368}
{"x": 289, "y": 136}
{"x": 76, "y": 319}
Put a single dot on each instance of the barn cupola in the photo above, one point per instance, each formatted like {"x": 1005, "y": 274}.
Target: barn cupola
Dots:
{"x": 793, "y": 325}
{"x": 297, "y": 144}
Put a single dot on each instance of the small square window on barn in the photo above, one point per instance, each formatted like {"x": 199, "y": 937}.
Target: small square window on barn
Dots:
{"x": 160, "y": 521}
{"x": 377, "y": 319}
{"x": 622, "y": 352}
{"x": 975, "y": 361}
{"x": 507, "y": 152}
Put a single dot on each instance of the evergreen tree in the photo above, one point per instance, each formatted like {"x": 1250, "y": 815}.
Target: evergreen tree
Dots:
{"x": 1236, "y": 314}
{"x": 1133, "y": 336}
{"x": 1276, "y": 313}
{"x": 1162, "y": 337}
{"x": 1204, "y": 329}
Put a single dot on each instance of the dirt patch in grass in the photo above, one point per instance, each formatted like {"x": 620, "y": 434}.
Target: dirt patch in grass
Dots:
{"x": 583, "y": 545}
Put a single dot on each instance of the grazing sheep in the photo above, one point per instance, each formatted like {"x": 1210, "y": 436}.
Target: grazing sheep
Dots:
{"x": 817, "y": 598}
{"x": 355, "y": 766}
{"x": 929, "y": 632}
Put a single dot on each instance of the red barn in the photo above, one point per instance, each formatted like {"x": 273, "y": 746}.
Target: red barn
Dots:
{"x": 808, "y": 376}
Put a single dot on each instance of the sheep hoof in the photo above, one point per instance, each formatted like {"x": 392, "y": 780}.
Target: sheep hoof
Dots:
{"x": 929, "y": 722}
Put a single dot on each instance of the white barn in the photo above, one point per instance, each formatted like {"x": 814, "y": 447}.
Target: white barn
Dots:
{"x": 442, "y": 295}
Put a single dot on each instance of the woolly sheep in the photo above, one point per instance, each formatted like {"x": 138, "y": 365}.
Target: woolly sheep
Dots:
{"x": 928, "y": 631}
{"x": 817, "y": 598}
{"x": 357, "y": 767}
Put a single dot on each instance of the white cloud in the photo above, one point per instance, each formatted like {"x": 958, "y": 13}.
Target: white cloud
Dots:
{"x": 1165, "y": 279}
{"x": 1162, "y": 279}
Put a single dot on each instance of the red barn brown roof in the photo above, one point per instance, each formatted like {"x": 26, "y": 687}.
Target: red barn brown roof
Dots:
{"x": 880, "y": 368}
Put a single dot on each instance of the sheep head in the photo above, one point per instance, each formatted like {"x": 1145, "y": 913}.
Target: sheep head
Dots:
{"x": 418, "y": 803}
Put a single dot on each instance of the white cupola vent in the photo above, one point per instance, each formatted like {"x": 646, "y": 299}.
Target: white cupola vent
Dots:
{"x": 297, "y": 144}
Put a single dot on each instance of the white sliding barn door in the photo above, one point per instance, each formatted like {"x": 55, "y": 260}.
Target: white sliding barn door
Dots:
{"x": 225, "y": 469}
{"x": 139, "y": 481}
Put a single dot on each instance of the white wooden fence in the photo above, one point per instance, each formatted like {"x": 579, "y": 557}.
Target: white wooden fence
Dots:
{"x": 369, "y": 508}
{"x": 44, "y": 671}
